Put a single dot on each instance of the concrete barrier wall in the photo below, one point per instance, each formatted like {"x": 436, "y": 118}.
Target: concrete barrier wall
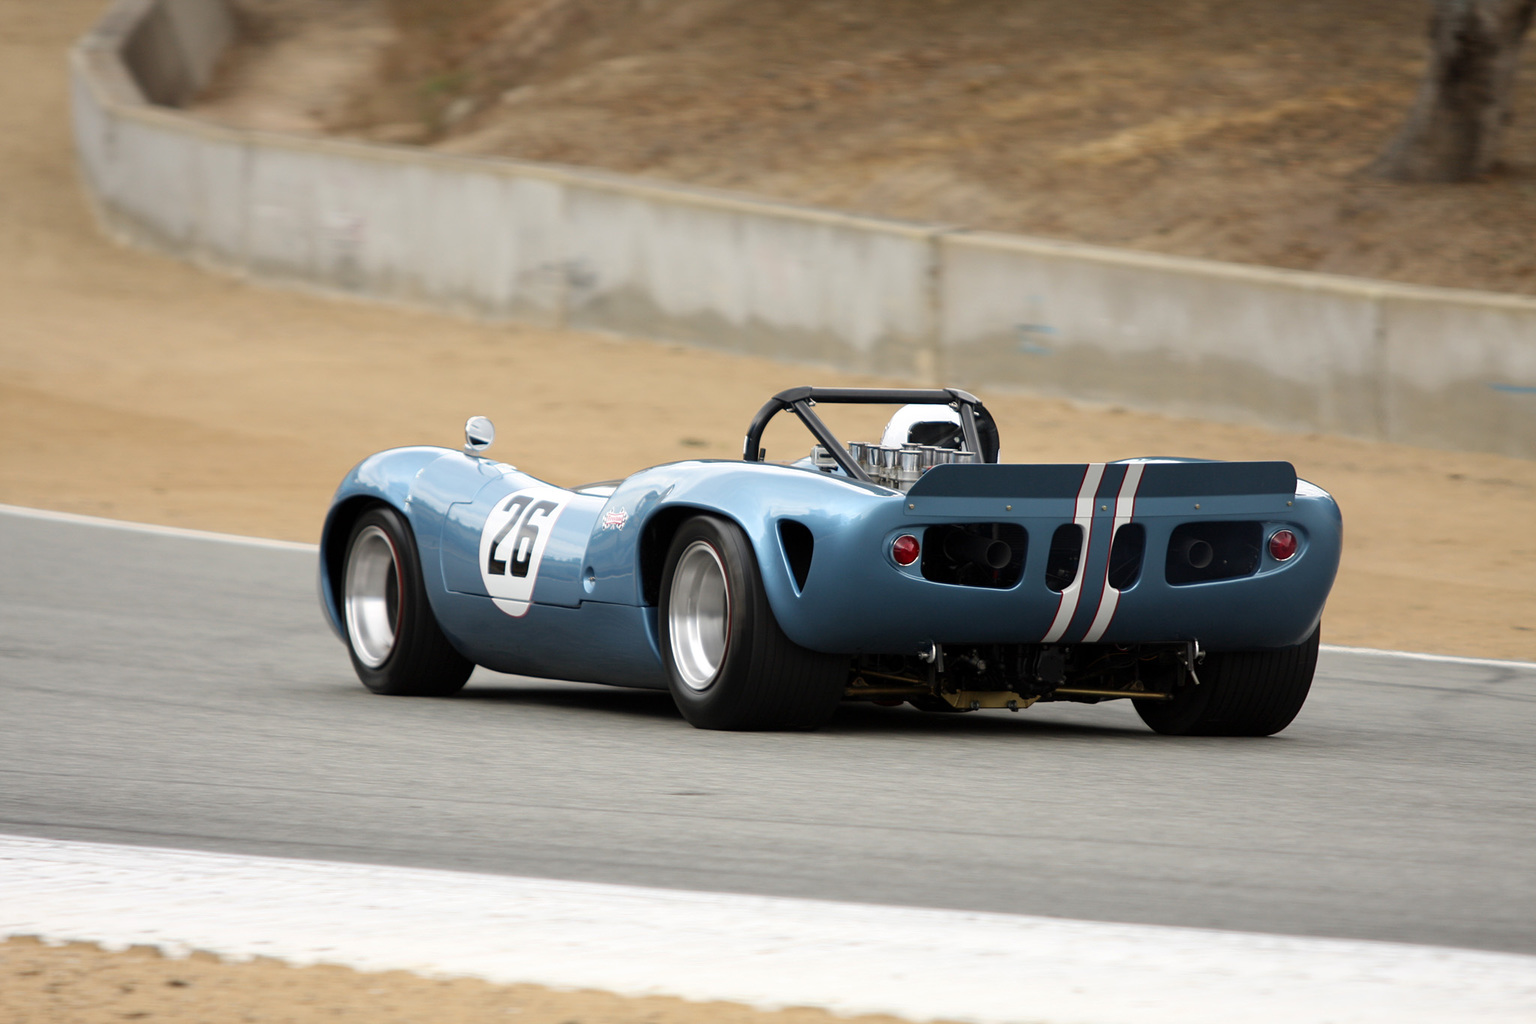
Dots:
{"x": 563, "y": 246}
{"x": 1430, "y": 366}
{"x": 1188, "y": 335}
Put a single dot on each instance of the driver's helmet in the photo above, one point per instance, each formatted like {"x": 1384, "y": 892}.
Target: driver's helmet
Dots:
{"x": 939, "y": 425}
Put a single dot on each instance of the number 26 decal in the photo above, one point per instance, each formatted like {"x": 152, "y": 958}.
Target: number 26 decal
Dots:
{"x": 512, "y": 545}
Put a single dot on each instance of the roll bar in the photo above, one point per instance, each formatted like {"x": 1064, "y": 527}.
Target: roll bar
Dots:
{"x": 801, "y": 400}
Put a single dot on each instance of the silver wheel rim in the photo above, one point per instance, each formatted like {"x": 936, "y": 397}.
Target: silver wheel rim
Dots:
{"x": 372, "y": 596}
{"x": 698, "y": 615}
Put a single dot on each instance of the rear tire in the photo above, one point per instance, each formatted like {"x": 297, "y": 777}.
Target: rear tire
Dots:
{"x": 1241, "y": 693}
{"x": 729, "y": 665}
{"x": 396, "y": 645}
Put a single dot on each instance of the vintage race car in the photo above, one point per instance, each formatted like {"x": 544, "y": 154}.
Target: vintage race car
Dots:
{"x": 919, "y": 569}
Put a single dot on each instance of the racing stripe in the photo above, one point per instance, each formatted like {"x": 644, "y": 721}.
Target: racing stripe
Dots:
{"x": 1125, "y": 510}
{"x": 1096, "y": 564}
{"x": 1083, "y": 516}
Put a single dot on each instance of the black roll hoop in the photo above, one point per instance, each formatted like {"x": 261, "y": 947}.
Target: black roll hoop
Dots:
{"x": 801, "y": 400}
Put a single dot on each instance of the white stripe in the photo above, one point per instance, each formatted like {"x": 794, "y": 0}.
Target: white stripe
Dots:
{"x": 1083, "y": 517}
{"x": 764, "y": 951}
{"x": 1447, "y": 659}
{"x": 1125, "y": 509}
{"x": 165, "y": 531}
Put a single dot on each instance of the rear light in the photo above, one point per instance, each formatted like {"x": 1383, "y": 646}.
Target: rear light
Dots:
{"x": 1282, "y": 545}
{"x": 905, "y": 549}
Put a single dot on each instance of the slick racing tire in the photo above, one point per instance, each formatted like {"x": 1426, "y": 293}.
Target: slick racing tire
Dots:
{"x": 396, "y": 645}
{"x": 729, "y": 664}
{"x": 1240, "y": 693}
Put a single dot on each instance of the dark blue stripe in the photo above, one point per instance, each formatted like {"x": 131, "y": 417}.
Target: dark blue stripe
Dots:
{"x": 1201, "y": 479}
{"x": 1160, "y": 480}
{"x": 1109, "y": 486}
{"x": 1005, "y": 481}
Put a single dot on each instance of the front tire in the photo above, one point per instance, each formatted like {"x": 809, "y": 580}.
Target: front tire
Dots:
{"x": 729, "y": 664}
{"x": 396, "y": 645}
{"x": 1240, "y": 693}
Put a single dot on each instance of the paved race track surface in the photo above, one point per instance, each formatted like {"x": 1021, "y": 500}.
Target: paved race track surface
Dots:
{"x": 183, "y": 692}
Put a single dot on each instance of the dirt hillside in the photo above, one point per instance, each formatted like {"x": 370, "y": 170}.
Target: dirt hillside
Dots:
{"x": 1233, "y": 130}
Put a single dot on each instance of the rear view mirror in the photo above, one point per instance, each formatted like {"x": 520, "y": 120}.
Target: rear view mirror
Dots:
{"x": 479, "y": 432}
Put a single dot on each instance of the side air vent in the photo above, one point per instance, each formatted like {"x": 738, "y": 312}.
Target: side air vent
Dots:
{"x": 975, "y": 554}
{"x": 799, "y": 546}
{"x": 1125, "y": 556}
{"x": 1201, "y": 552}
{"x": 1066, "y": 550}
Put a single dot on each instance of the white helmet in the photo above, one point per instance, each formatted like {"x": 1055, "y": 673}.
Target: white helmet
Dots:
{"x": 908, "y": 418}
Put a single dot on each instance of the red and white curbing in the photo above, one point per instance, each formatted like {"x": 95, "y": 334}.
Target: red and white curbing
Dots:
{"x": 763, "y": 951}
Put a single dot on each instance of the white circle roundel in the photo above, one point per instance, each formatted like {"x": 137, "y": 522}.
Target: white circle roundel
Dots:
{"x": 513, "y": 541}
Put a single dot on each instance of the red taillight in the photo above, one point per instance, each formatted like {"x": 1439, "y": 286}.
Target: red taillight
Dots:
{"x": 1282, "y": 545}
{"x": 905, "y": 550}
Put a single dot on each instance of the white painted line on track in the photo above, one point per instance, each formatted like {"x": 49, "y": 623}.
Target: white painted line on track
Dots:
{"x": 1445, "y": 659}
{"x": 166, "y": 531}
{"x": 764, "y": 951}
{"x": 289, "y": 545}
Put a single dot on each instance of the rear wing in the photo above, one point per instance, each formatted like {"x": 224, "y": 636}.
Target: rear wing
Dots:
{"x": 1158, "y": 479}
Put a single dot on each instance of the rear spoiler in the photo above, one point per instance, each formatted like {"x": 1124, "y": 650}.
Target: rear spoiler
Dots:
{"x": 1158, "y": 480}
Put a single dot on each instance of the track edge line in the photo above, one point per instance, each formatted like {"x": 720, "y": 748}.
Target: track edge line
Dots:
{"x": 48, "y": 515}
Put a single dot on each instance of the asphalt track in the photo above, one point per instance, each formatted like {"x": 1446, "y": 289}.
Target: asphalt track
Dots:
{"x": 181, "y": 692}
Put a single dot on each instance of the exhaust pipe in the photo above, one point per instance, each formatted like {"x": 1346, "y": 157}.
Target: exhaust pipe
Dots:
{"x": 967, "y": 547}
{"x": 1196, "y": 553}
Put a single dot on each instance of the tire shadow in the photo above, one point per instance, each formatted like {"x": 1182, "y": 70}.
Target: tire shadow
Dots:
{"x": 856, "y": 718}
{"x": 853, "y": 718}
{"x": 592, "y": 697}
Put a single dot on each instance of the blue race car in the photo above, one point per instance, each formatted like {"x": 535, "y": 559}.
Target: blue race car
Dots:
{"x": 917, "y": 570}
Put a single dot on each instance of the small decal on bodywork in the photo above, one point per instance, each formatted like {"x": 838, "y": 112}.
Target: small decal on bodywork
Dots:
{"x": 614, "y": 519}
{"x": 512, "y": 544}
